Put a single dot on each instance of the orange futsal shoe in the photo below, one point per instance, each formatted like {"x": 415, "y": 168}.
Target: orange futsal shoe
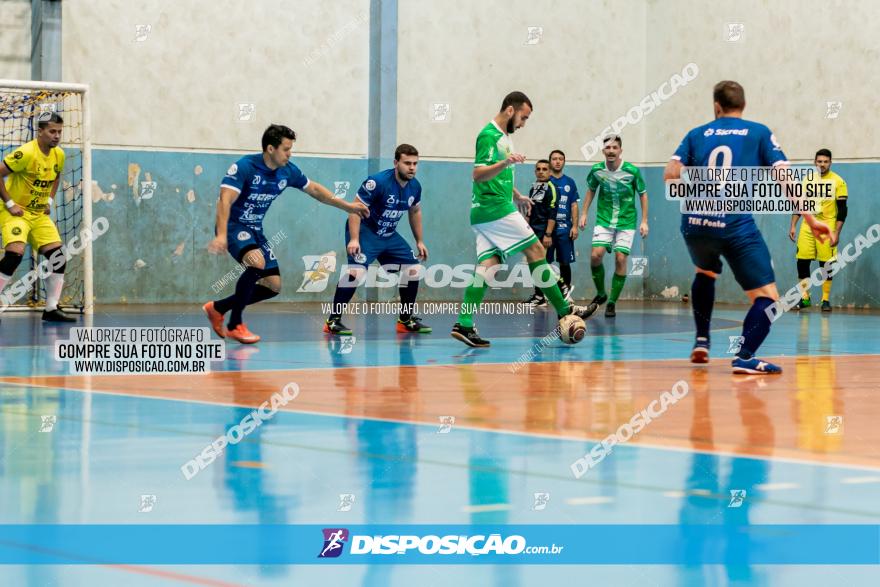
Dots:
{"x": 242, "y": 334}
{"x": 215, "y": 318}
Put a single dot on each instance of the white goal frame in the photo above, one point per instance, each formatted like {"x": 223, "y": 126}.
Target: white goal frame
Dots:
{"x": 83, "y": 90}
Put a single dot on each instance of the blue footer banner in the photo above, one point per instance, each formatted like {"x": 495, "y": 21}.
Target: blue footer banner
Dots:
{"x": 438, "y": 544}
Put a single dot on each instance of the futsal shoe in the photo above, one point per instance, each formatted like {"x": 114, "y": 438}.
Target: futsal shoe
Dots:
{"x": 584, "y": 312}
{"x": 413, "y": 324}
{"x": 215, "y": 318}
{"x": 754, "y": 366}
{"x": 536, "y": 301}
{"x": 803, "y": 304}
{"x": 826, "y": 306}
{"x": 611, "y": 310}
{"x": 242, "y": 334}
{"x": 599, "y": 300}
{"x": 566, "y": 290}
{"x": 700, "y": 352}
{"x": 334, "y": 325}
{"x": 57, "y": 315}
{"x": 468, "y": 336}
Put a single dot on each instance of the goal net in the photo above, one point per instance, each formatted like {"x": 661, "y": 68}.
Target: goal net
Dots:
{"x": 21, "y": 104}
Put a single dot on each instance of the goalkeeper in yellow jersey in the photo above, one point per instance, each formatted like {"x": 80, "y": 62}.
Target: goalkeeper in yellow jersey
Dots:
{"x": 31, "y": 174}
{"x": 832, "y": 212}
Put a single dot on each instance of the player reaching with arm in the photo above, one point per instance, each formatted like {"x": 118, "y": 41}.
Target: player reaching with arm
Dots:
{"x": 730, "y": 141}
{"x": 34, "y": 173}
{"x": 389, "y": 195}
{"x": 499, "y": 228}
{"x": 250, "y": 186}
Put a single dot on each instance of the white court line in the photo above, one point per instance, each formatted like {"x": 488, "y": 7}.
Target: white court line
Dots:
{"x": 595, "y": 500}
{"x": 860, "y": 480}
{"x": 776, "y": 486}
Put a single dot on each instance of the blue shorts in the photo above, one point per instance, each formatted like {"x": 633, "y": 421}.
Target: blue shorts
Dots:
{"x": 747, "y": 254}
{"x": 240, "y": 239}
{"x": 562, "y": 249}
{"x": 387, "y": 250}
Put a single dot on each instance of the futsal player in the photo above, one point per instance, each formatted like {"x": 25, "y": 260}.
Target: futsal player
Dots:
{"x": 614, "y": 183}
{"x": 832, "y": 211}
{"x": 500, "y": 230}
{"x": 542, "y": 218}
{"x": 250, "y": 186}
{"x": 566, "y": 232}
{"x": 389, "y": 195}
{"x": 34, "y": 173}
{"x": 732, "y": 141}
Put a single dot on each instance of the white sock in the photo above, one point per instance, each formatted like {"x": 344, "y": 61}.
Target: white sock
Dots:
{"x": 4, "y": 279}
{"x": 54, "y": 285}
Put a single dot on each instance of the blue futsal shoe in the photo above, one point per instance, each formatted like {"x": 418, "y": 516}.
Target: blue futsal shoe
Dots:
{"x": 755, "y": 366}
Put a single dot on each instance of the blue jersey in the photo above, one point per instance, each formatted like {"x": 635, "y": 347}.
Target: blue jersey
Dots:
{"x": 257, "y": 188}
{"x": 387, "y": 201}
{"x": 566, "y": 195}
{"x": 727, "y": 142}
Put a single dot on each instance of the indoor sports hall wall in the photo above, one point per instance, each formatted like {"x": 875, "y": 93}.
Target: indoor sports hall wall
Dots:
{"x": 173, "y": 89}
{"x": 180, "y": 91}
{"x": 15, "y": 39}
{"x": 811, "y": 85}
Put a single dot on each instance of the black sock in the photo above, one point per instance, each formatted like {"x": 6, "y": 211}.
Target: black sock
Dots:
{"x": 702, "y": 301}
{"x": 260, "y": 294}
{"x": 343, "y": 295}
{"x": 756, "y": 327}
{"x": 244, "y": 289}
{"x": 408, "y": 294}
{"x": 565, "y": 273}
{"x": 225, "y": 304}
{"x": 803, "y": 268}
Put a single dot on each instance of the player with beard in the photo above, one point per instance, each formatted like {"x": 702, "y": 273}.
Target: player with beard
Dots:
{"x": 500, "y": 230}
{"x": 389, "y": 195}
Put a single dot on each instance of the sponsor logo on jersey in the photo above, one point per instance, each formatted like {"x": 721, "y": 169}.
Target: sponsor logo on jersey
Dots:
{"x": 370, "y": 185}
{"x": 360, "y": 258}
{"x": 256, "y": 180}
{"x": 282, "y": 184}
{"x": 567, "y": 188}
{"x": 411, "y": 200}
{"x": 233, "y": 169}
{"x": 17, "y": 155}
{"x": 723, "y": 132}
{"x": 244, "y": 235}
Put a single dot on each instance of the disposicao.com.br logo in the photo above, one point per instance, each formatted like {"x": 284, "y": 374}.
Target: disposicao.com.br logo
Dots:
{"x": 334, "y": 540}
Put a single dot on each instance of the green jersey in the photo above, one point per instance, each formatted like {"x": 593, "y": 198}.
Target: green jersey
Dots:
{"x": 492, "y": 199}
{"x": 615, "y": 193}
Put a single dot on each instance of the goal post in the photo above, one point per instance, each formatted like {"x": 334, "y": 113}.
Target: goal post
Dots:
{"x": 21, "y": 103}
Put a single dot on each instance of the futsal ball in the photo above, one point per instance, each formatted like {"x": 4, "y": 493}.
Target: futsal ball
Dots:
{"x": 572, "y": 329}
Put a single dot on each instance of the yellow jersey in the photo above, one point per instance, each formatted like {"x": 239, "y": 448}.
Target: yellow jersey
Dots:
{"x": 33, "y": 174}
{"x": 827, "y": 207}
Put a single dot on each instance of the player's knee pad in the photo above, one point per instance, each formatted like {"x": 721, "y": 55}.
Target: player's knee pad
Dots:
{"x": 57, "y": 262}
{"x": 254, "y": 273}
{"x": 827, "y": 267}
{"x": 10, "y": 262}
{"x": 803, "y": 268}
